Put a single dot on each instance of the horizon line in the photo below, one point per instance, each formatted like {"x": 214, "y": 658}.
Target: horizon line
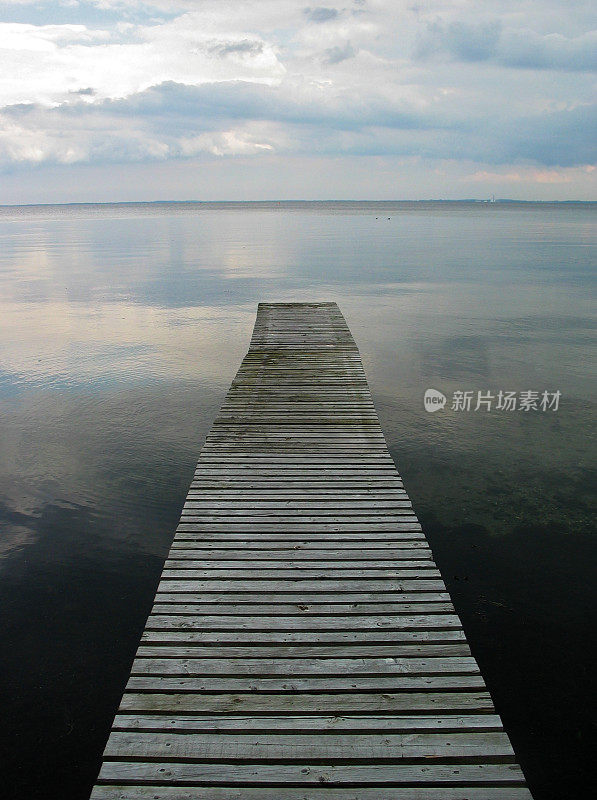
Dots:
{"x": 480, "y": 200}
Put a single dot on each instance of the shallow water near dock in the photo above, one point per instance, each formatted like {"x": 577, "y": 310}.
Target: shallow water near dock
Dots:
{"x": 122, "y": 327}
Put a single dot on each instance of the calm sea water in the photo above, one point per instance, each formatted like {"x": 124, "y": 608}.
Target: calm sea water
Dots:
{"x": 121, "y": 329}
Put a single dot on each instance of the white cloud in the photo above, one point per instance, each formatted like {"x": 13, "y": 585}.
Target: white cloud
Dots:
{"x": 231, "y": 142}
{"x": 49, "y": 64}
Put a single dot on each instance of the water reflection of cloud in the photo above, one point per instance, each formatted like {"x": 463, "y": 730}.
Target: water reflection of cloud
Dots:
{"x": 164, "y": 261}
{"x": 18, "y": 529}
{"x": 121, "y": 458}
{"x": 456, "y": 357}
{"x": 14, "y": 538}
{"x": 73, "y": 344}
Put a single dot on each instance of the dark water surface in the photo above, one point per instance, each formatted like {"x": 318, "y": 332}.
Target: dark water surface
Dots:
{"x": 121, "y": 329}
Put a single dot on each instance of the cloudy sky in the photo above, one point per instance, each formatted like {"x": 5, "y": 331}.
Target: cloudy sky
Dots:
{"x": 264, "y": 99}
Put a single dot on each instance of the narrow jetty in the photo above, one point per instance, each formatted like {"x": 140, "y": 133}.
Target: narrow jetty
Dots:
{"x": 302, "y": 645}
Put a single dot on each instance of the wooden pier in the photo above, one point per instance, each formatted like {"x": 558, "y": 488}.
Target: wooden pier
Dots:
{"x": 302, "y": 645}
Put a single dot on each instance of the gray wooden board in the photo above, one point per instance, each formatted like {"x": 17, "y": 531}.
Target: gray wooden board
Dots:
{"x": 303, "y": 599}
{"x": 298, "y": 584}
{"x": 311, "y": 684}
{"x": 272, "y": 622}
{"x": 307, "y": 772}
{"x": 191, "y": 532}
{"x": 448, "y": 723}
{"x": 280, "y": 665}
{"x": 294, "y": 746}
{"x": 322, "y": 637}
{"x": 277, "y": 505}
{"x": 256, "y": 525}
{"x": 300, "y": 609}
{"x": 302, "y": 644}
{"x": 304, "y": 548}
{"x": 298, "y": 651}
{"x": 295, "y": 494}
{"x": 257, "y": 703}
{"x": 323, "y": 792}
{"x": 406, "y": 568}
{"x": 298, "y": 572}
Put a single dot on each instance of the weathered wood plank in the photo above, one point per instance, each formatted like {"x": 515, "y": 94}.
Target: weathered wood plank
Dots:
{"x": 312, "y": 684}
{"x": 302, "y": 598}
{"x": 448, "y": 723}
{"x": 301, "y": 549}
{"x": 308, "y": 560}
{"x": 298, "y": 651}
{"x": 351, "y": 636}
{"x": 188, "y": 533}
{"x": 160, "y": 792}
{"x": 355, "y": 702}
{"x": 404, "y": 532}
{"x": 301, "y": 747}
{"x": 402, "y": 520}
{"x": 305, "y": 667}
{"x": 301, "y": 585}
{"x": 269, "y": 622}
{"x": 300, "y": 609}
{"x": 207, "y": 774}
{"x": 300, "y": 571}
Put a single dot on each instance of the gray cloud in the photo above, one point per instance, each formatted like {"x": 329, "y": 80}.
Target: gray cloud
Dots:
{"x": 460, "y": 40}
{"x": 244, "y": 47}
{"x": 88, "y": 92}
{"x": 529, "y": 50}
{"x": 320, "y": 14}
{"x": 490, "y": 41}
{"x": 175, "y": 121}
{"x": 561, "y": 138}
{"x": 334, "y": 55}
{"x": 239, "y": 100}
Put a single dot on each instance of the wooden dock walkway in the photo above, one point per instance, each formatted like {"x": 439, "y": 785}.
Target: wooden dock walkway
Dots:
{"x": 302, "y": 645}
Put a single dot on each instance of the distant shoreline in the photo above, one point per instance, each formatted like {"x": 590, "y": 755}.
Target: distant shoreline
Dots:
{"x": 300, "y": 203}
